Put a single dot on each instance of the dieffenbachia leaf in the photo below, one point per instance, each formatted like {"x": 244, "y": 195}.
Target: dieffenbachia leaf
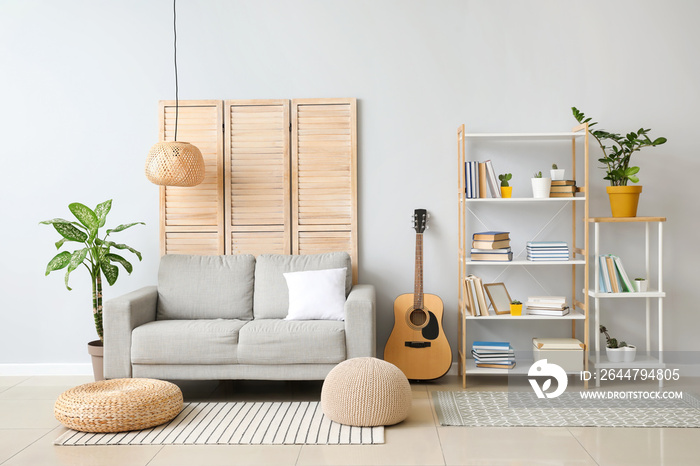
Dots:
{"x": 101, "y": 211}
{"x": 111, "y": 272}
{"x": 119, "y": 259}
{"x": 60, "y": 242}
{"x": 112, "y": 244}
{"x": 85, "y": 215}
{"x": 76, "y": 259}
{"x": 123, "y": 227}
{"x": 70, "y": 232}
{"x": 59, "y": 261}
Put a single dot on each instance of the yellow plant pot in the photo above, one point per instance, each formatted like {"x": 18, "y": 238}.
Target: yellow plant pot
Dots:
{"x": 516, "y": 309}
{"x": 624, "y": 200}
{"x": 506, "y": 191}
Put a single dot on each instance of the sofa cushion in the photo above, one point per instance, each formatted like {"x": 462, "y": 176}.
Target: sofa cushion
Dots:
{"x": 206, "y": 287}
{"x": 199, "y": 341}
{"x": 316, "y": 294}
{"x": 275, "y": 341}
{"x": 271, "y": 296}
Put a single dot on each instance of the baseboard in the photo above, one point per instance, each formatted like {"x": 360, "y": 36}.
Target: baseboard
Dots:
{"x": 453, "y": 369}
{"x": 45, "y": 369}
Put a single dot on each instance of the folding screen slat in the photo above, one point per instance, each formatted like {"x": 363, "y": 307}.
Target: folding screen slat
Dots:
{"x": 324, "y": 177}
{"x": 257, "y": 187}
{"x": 191, "y": 218}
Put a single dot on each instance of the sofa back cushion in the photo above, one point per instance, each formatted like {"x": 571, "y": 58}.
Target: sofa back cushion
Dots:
{"x": 206, "y": 287}
{"x": 271, "y": 299}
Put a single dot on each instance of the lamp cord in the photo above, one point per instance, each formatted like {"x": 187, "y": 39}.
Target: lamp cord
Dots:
{"x": 177, "y": 100}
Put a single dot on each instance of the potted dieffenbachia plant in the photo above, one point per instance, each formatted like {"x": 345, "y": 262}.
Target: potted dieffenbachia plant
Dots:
{"x": 616, "y": 160}
{"x": 96, "y": 252}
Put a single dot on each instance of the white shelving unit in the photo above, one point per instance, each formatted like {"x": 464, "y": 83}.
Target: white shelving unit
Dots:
{"x": 643, "y": 360}
{"x": 579, "y": 308}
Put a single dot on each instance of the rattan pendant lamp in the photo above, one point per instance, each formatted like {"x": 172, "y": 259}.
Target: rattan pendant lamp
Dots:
{"x": 175, "y": 163}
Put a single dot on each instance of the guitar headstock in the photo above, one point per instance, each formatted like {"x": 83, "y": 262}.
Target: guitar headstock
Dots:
{"x": 420, "y": 220}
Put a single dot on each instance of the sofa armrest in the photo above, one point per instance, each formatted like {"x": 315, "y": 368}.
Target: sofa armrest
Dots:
{"x": 360, "y": 322}
{"x": 120, "y": 317}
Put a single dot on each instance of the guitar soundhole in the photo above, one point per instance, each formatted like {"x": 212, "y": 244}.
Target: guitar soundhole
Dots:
{"x": 418, "y": 318}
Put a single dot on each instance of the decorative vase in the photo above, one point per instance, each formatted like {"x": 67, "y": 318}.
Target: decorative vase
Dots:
{"x": 516, "y": 309}
{"x": 506, "y": 191}
{"x": 540, "y": 187}
{"x": 640, "y": 286}
{"x": 614, "y": 354}
{"x": 96, "y": 351}
{"x": 624, "y": 200}
{"x": 558, "y": 174}
{"x": 629, "y": 353}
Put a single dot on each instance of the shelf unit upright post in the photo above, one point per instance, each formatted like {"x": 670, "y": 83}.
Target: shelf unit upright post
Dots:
{"x": 647, "y": 361}
{"x": 465, "y": 366}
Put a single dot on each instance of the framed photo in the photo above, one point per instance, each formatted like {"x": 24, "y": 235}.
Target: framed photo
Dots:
{"x": 500, "y": 299}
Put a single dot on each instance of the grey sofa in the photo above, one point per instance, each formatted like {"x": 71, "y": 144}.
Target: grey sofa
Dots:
{"x": 222, "y": 317}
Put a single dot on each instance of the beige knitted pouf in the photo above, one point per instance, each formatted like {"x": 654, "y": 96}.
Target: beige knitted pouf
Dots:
{"x": 366, "y": 392}
{"x": 118, "y": 405}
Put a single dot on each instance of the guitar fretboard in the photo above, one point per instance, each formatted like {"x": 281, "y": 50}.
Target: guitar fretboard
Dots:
{"x": 418, "y": 283}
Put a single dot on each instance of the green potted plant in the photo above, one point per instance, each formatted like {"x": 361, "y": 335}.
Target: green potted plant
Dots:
{"x": 540, "y": 186}
{"x": 617, "y": 352}
{"x": 516, "y": 308}
{"x": 617, "y": 154}
{"x": 640, "y": 285}
{"x": 506, "y": 189}
{"x": 557, "y": 173}
{"x": 95, "y": 253}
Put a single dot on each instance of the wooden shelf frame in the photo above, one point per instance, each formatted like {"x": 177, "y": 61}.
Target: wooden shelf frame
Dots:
{"x": 579, "y": 134}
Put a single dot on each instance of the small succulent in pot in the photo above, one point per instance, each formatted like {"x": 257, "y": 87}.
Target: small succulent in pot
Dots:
{"x": 505, "y": 178}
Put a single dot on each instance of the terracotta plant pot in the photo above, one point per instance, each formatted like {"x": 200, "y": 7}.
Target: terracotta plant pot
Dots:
{"x": 506, "y": 191}
{"x": 96, "y": 351}
{"x": 624, "y": 200}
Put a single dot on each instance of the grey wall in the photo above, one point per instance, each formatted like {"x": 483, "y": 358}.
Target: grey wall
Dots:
{"x": 80, "y": 83}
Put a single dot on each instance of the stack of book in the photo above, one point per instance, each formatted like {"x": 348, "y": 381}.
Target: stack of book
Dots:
{"x": 474, "y": 296}
{"x": 491, "y": 246}
{"x": 562, "y": 188}
{"x": 493, "y": 354}
{"x": 480, "y": 180}
{"x": 613, "y": 278}
{"x": 547, "y": 251}
{"x": 547, "y": 306}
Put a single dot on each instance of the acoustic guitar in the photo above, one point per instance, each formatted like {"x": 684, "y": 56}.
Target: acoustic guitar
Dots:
{"x": 417, "y": 344}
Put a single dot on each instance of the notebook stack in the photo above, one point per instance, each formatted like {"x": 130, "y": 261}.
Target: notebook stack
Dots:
{"x": 547, "y": 251}
{"x": 562, "y": 188}
{"x": 491, "y": 246}
{"x": 547, "y": 306}
{"x": 493, "y": 354}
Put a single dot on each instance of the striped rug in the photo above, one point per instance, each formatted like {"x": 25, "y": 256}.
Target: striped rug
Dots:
{"x": 239, "y": 423}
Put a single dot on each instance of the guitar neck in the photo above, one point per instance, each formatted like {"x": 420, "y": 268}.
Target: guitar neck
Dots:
{"x": 418, "y": 283}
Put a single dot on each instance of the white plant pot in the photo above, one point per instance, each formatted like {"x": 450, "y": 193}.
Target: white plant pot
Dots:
{"x": 615, "y": 354}
{"x": 641, "y": 285}
{"x": 540, "y": 187}
{"x": 558, "y": 174}
{"x": 629, "y": 353}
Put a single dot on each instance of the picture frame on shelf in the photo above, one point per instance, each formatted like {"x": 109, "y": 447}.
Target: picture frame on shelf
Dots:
{"x": 500, "y": 299}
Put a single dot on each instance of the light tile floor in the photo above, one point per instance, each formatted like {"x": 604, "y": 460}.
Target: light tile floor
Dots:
{"x": 28, "y": 429}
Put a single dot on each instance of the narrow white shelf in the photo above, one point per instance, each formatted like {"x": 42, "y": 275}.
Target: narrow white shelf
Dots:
{"x": 572, "y": 315}
{"x": 507, "y": 200}
{"x": 529, "y": 136}
{"x": 640, "y": 362}
{"x": 527, "y": 262}
{"x": 634, "y": 294}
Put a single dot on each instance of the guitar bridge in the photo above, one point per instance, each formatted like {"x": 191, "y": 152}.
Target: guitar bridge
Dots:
{"x": 417, "y": 344}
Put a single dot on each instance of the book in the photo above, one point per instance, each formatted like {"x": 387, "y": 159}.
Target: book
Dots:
{"x": 472, "y": 286}
{"x": 491, "y": 251}
{"x": 494, "y": 187}
{"x": 542, "y": 244}
{"x": 491, "y": 235}
{"x": 504, "y": 243}
{"x": 562, "y": 189}
{"x": 611, "y": 273}
{"x": 482, "y": 180}
{"x": 481, "y": 296}
{"x": 548, "y": 312}
{"x": 561, "y": 195}
{"x": 604, "y": 274}
{"x": 622, "y": 275}
{"x": 475, "y": 179}
{"x": 469, "y": 298}
{"x": 547, "y": 299}
{"x": 545, "y": 305}
{"x": 467, "y": 180}
{"x": 491, "y": 345}
{"x": 508, "y": 256}
{"x": 465, "y": 297}
{"x": 545, "y": 258}
{"x": 493, "y": 357}
{"x": 563, "y": 183}
{"x": 496, "y": 366}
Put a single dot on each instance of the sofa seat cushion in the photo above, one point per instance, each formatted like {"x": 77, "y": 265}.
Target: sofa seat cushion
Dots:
{"x": 271, "y": 295}
{"x": 276, "y": 341}
{"x": 198, "y": 341}
{"x": 206, "y": 287}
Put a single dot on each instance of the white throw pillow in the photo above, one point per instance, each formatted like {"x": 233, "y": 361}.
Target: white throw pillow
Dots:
{"x": 316, "y": 294}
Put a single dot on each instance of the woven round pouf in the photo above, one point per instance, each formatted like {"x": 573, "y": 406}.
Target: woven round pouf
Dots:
{"x": 118, "y": 405}
{"x": 366, "y": 392}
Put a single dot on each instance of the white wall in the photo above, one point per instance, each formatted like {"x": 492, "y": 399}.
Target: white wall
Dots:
{"x": 80, "y": 83}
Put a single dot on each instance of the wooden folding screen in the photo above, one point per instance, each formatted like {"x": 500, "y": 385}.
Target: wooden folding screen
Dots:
{"x": 192, "y": 219}
{"x": 279, "y": 179}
